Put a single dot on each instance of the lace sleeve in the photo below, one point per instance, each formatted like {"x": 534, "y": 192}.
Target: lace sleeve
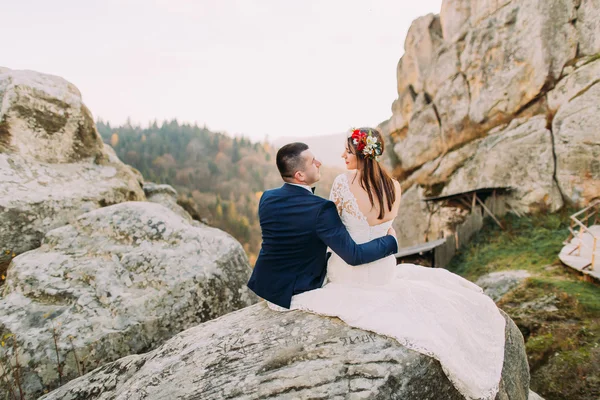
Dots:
{"x": 337, "y": 194}
{"x": 344, "y": 199}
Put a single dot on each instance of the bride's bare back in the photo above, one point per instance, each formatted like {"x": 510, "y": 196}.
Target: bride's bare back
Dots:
{"x": 371, "y": 213}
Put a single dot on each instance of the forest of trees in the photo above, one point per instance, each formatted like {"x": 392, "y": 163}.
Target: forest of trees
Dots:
{"x": 219, "y": 177}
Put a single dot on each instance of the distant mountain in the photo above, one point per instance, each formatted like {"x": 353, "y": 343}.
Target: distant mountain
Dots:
{"x": 327, "y": 148}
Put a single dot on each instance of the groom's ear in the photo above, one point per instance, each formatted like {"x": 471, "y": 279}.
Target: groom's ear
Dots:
{"x": 299, "y": 175}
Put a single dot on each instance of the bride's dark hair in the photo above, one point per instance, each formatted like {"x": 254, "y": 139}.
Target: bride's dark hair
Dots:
{"x": 374, "y": 178}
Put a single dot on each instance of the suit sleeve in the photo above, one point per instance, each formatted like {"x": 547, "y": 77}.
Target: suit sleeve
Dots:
{"x": 334, "y": 234}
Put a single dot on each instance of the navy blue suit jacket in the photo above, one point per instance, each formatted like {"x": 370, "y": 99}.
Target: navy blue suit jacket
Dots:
{"x": 297, "y": 227}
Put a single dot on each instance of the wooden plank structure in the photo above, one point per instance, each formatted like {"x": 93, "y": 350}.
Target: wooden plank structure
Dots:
{"x": 471, "y": 198}
{"x": 582, "y": 248}
{"x": 426, "y": 250}
{"x": 439, "y": 252}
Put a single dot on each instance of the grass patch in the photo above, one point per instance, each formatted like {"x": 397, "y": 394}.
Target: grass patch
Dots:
{"x": 540, "y": 343}
{"x": 527, "y": 243}
{"x": 556, "y": 309}
{"x": 587, "y": 294}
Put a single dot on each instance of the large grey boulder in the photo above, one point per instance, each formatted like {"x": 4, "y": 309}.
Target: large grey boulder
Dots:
{"x": 53, "y": 164}
{"x": 117, "y": 281}
{"x": 256, "y": 353}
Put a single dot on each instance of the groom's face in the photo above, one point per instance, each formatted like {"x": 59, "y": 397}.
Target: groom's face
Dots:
{"x": 310, "y": 174}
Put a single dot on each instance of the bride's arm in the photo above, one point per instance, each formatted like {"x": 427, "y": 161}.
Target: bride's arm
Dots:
{"x": 398, "y": 191}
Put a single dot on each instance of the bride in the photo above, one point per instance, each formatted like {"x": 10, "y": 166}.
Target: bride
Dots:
{"x": 429, "y": 310}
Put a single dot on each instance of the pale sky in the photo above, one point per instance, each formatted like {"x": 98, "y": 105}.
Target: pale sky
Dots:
{"x": 252, "y": 67}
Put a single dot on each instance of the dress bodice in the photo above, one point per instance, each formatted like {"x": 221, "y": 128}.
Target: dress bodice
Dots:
{"x": 375, "y": 273}
{"x": 354, "y": 220}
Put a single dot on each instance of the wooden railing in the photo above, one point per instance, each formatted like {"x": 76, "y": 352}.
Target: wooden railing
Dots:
{"x": 592, "y": 210}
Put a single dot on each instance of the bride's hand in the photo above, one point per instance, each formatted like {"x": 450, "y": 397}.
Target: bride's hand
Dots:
{"x": 392, "y": 232}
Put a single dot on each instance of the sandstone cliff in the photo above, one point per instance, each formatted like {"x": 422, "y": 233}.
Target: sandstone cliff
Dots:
{"x": 497, "y": 93}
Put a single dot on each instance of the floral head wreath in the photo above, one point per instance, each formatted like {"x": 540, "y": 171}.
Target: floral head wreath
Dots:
{"x": 366, "y": 143}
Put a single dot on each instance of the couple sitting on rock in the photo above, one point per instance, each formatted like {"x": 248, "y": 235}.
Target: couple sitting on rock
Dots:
{"x": 428, "y": 310}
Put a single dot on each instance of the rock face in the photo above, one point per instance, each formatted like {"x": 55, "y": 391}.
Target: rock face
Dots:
{"x": 501, "y": 93}
{"x": 117, "y": 281}
{"x": 526, "y": 146}
{"x": 53, "y": 164}
{"x": 258, "y": 353}
{"x": 44, "y": 118}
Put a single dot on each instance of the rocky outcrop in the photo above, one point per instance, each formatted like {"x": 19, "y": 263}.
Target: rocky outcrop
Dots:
{"x": 167, "y": 196}
{"x": 53, "y": 164}
{"x": 116, "y": 281}
{"x": 44, "y": 118}
{"x": 497, "y": 284}
{"x": 258, "y": 353}
{"x": 501, "y": 93}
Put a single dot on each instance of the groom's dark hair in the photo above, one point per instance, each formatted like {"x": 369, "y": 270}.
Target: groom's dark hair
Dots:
{"x": 289, "y": 160}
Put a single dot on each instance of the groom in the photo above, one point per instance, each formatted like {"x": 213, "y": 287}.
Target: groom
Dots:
{"x": 297, "y": 227}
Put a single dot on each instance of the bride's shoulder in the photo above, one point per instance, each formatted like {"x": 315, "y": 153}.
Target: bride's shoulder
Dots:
{"x": 340, "y": 178}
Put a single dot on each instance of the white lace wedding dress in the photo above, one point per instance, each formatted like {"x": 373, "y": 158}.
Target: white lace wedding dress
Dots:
{"x": 428, "y": 310}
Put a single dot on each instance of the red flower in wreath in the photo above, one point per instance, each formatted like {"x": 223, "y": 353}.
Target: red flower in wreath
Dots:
{"x": 359, "y": 139}
{"x": 357, "y": 135}
{"x": 366, "y": 144}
